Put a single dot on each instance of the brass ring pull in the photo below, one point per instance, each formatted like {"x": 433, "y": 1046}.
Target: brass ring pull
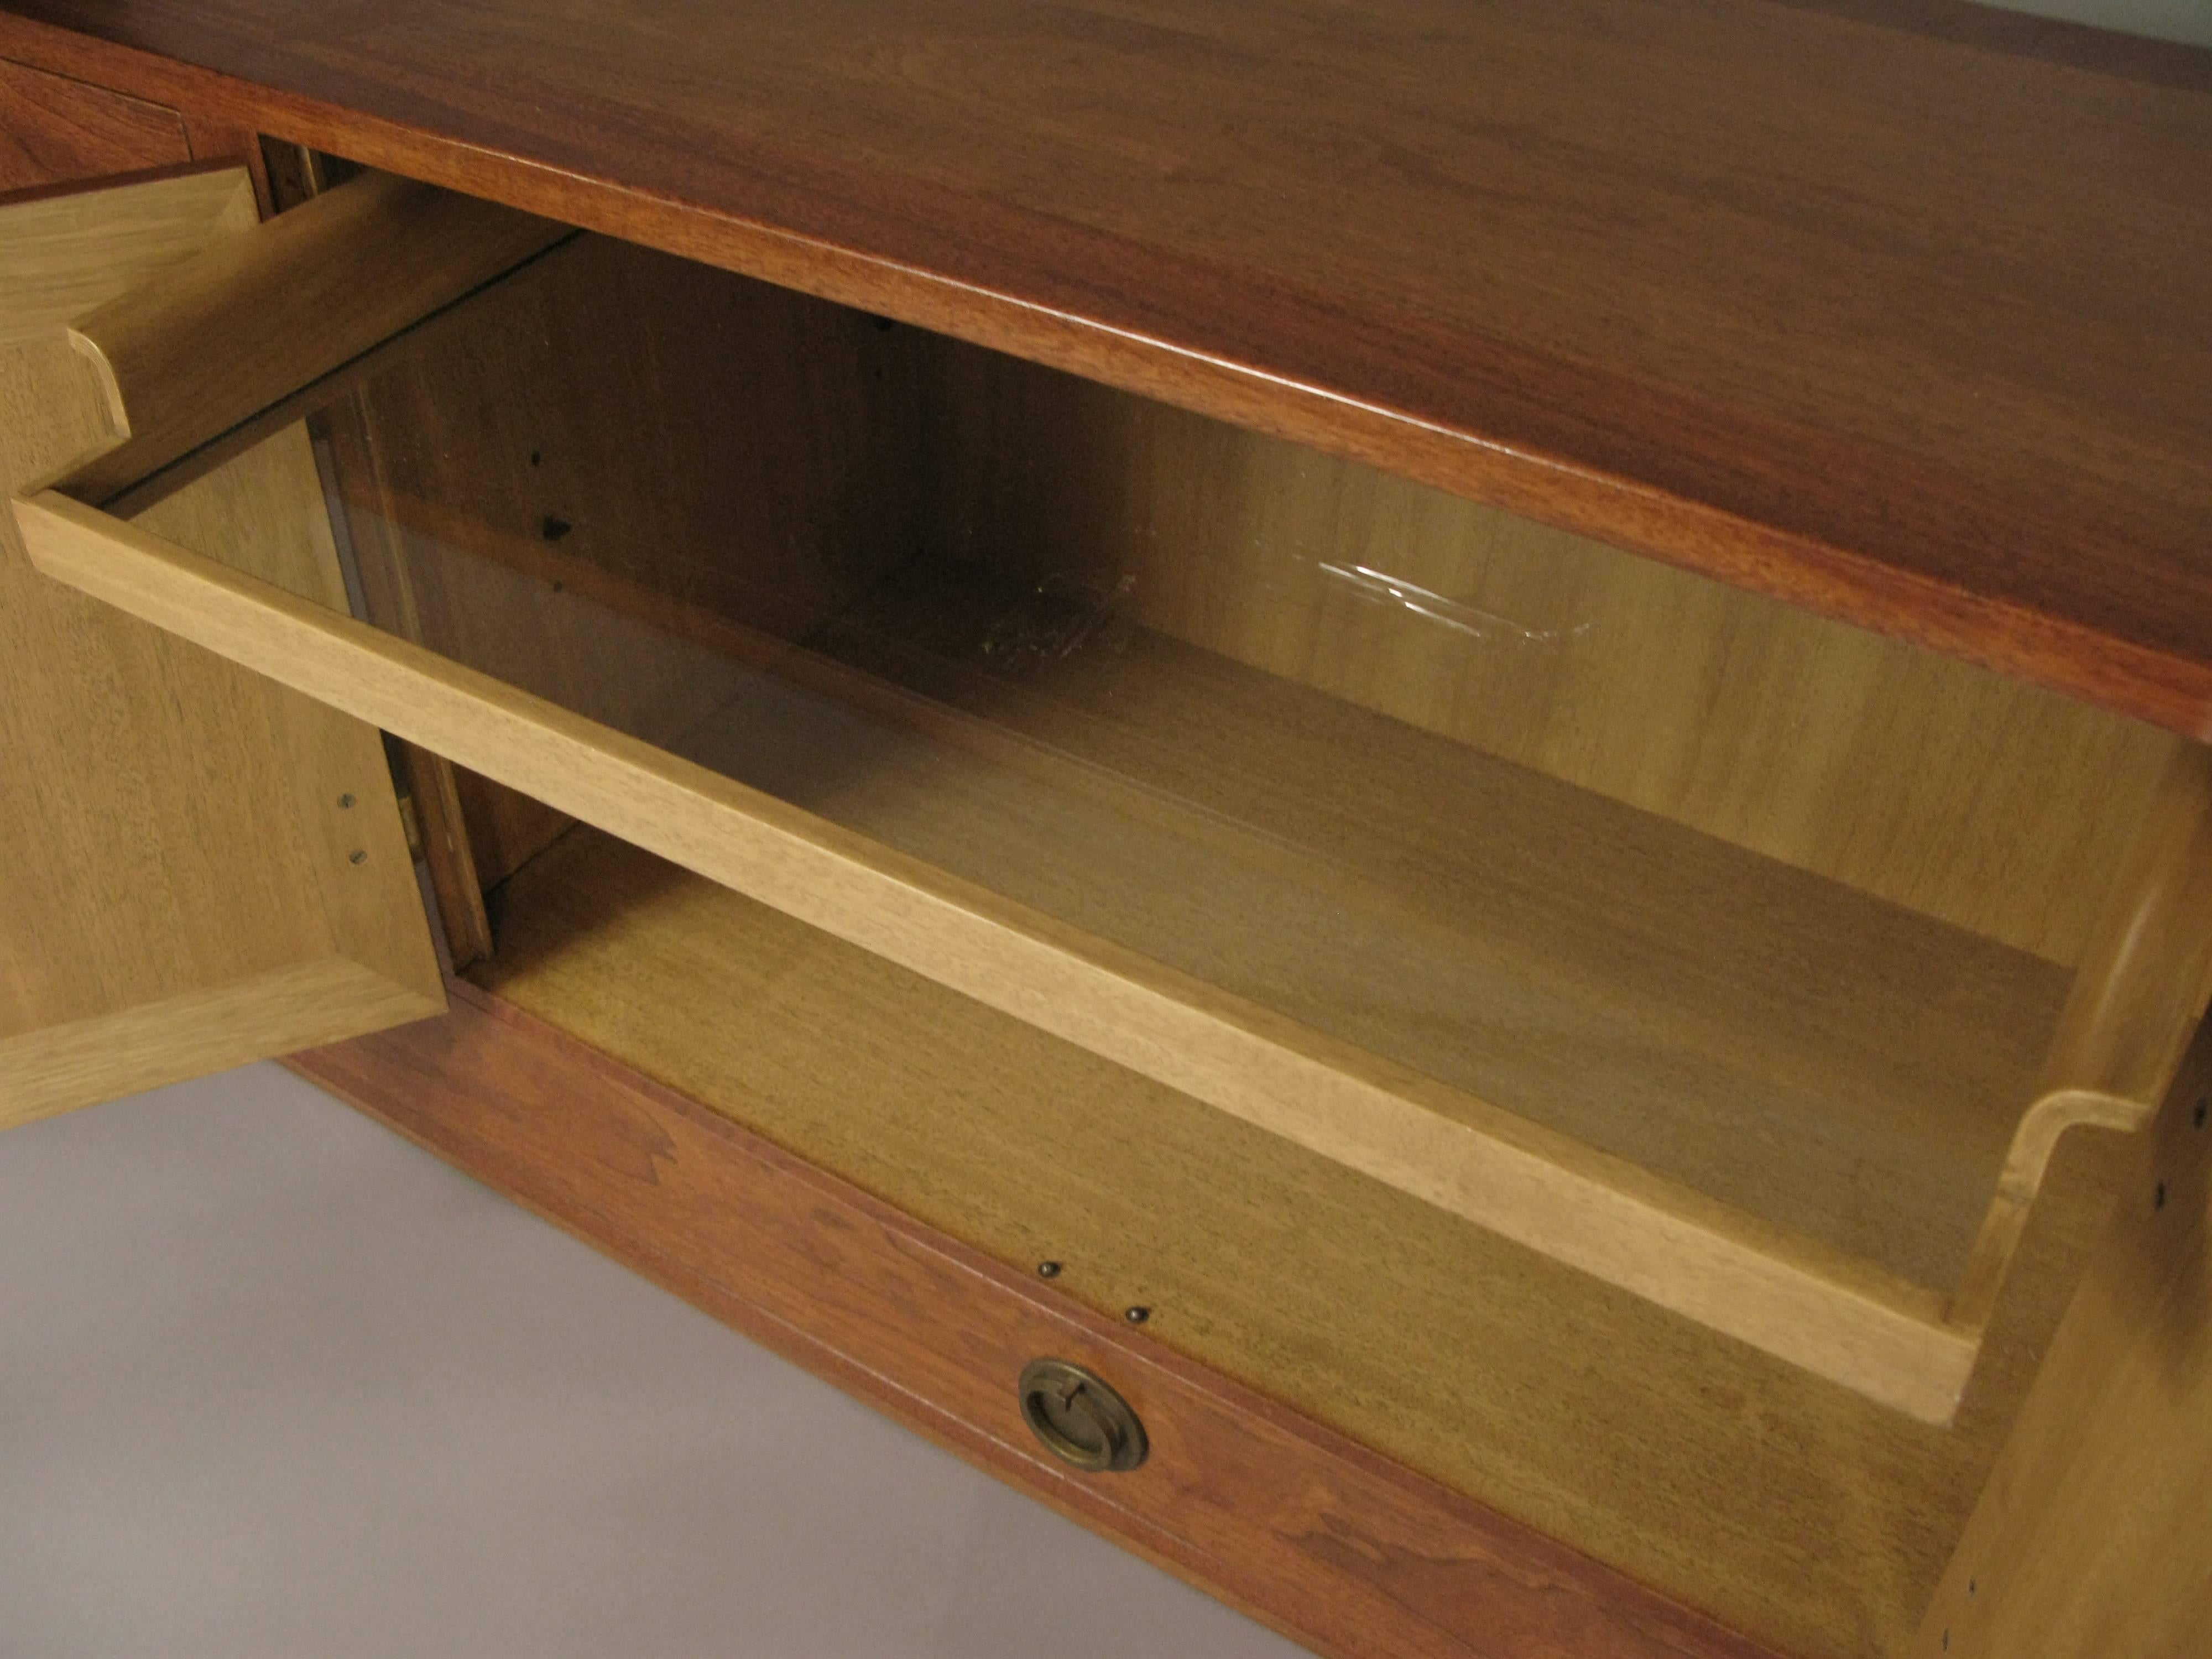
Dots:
{"x": 1079, "y": 1419}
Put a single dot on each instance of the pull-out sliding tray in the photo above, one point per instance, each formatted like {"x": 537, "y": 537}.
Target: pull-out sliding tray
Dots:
{"x": 1745, "y": 961}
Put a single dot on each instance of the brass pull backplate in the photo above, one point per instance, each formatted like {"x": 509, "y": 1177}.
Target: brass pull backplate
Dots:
{"x": 1079, "y": 1419}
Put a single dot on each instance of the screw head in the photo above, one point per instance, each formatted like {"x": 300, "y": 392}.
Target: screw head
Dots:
{"x": 1048, "y": 1270}
{"x": 1137, "y": 1315}
{"x": 345, "y": 801}
{"x": 357, "y": 856}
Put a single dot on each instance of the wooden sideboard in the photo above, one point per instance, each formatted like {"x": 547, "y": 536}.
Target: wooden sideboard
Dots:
{"x": 1453, "y": 739}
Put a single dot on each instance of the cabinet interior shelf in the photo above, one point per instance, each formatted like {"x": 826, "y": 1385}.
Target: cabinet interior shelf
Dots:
{"x": 832, "y": 653}
{"x": 1827, "y": 1075}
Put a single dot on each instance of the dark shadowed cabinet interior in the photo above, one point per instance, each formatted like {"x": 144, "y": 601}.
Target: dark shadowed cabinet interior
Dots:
{"x": 1450, "y": 737}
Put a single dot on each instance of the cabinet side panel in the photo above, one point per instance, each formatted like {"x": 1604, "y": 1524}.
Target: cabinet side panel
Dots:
{"x": 2090, "y": 1538}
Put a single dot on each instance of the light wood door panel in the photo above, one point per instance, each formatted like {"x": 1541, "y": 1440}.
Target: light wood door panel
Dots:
{"x": 200, "y": 867}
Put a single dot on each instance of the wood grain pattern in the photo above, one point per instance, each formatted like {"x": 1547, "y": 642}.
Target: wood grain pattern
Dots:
{"x": 1840, "y": 1067}
{"x": 1835, "y": 1315}
{"x": 1968, "y": 796}
{"x": 57, "y": 132}
{"x": 295, "y": 175}
{"x": 67, "y": 250}
{"x": 1589, "y": 266}
{"x": 1917, "y": 776}
{"x": 621, "y": 674}
{"x": 453, "y": 849}
{"x": 2135, "y": 1005}
{"x": 613, "y": 401}
{"x": 2080, "y": 661}
{"x": 2089, "y": 1539}
{"x": 265, "y": 511}
{"x": 749, "y": 450}
{"x": 1117, "y": 786}
{"x": 180, "y": 889}
{"x": 1369, "y": 1126}
{"x": 57, "y": 1068}
{"x": 1335, "y": 1545}
{"x": 764, "y": 458}
{"x": 252, "y": 319}
{"x": 1827, "y": 1061}
{"x": 1787, "y": 1506}
{"x": 1803, "y": 1052}
{"x": 2146, "y": 978}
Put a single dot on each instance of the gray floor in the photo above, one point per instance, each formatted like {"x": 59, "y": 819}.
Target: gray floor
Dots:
{"x": 272, "y": 1382}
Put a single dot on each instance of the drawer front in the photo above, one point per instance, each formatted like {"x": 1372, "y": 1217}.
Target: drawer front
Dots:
{"x": 1702, "y": 946}
{"x": 1336, "y": 1546}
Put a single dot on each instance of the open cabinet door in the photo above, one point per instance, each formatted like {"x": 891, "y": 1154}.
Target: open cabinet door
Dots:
{"x": 198, "y": 867}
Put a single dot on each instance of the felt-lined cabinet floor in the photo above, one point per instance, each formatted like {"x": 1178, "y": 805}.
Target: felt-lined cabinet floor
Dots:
{"x": 1527, "y": 1067}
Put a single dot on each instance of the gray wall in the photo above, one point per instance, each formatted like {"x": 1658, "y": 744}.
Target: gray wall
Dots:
{"x": 2169, "y": 20}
